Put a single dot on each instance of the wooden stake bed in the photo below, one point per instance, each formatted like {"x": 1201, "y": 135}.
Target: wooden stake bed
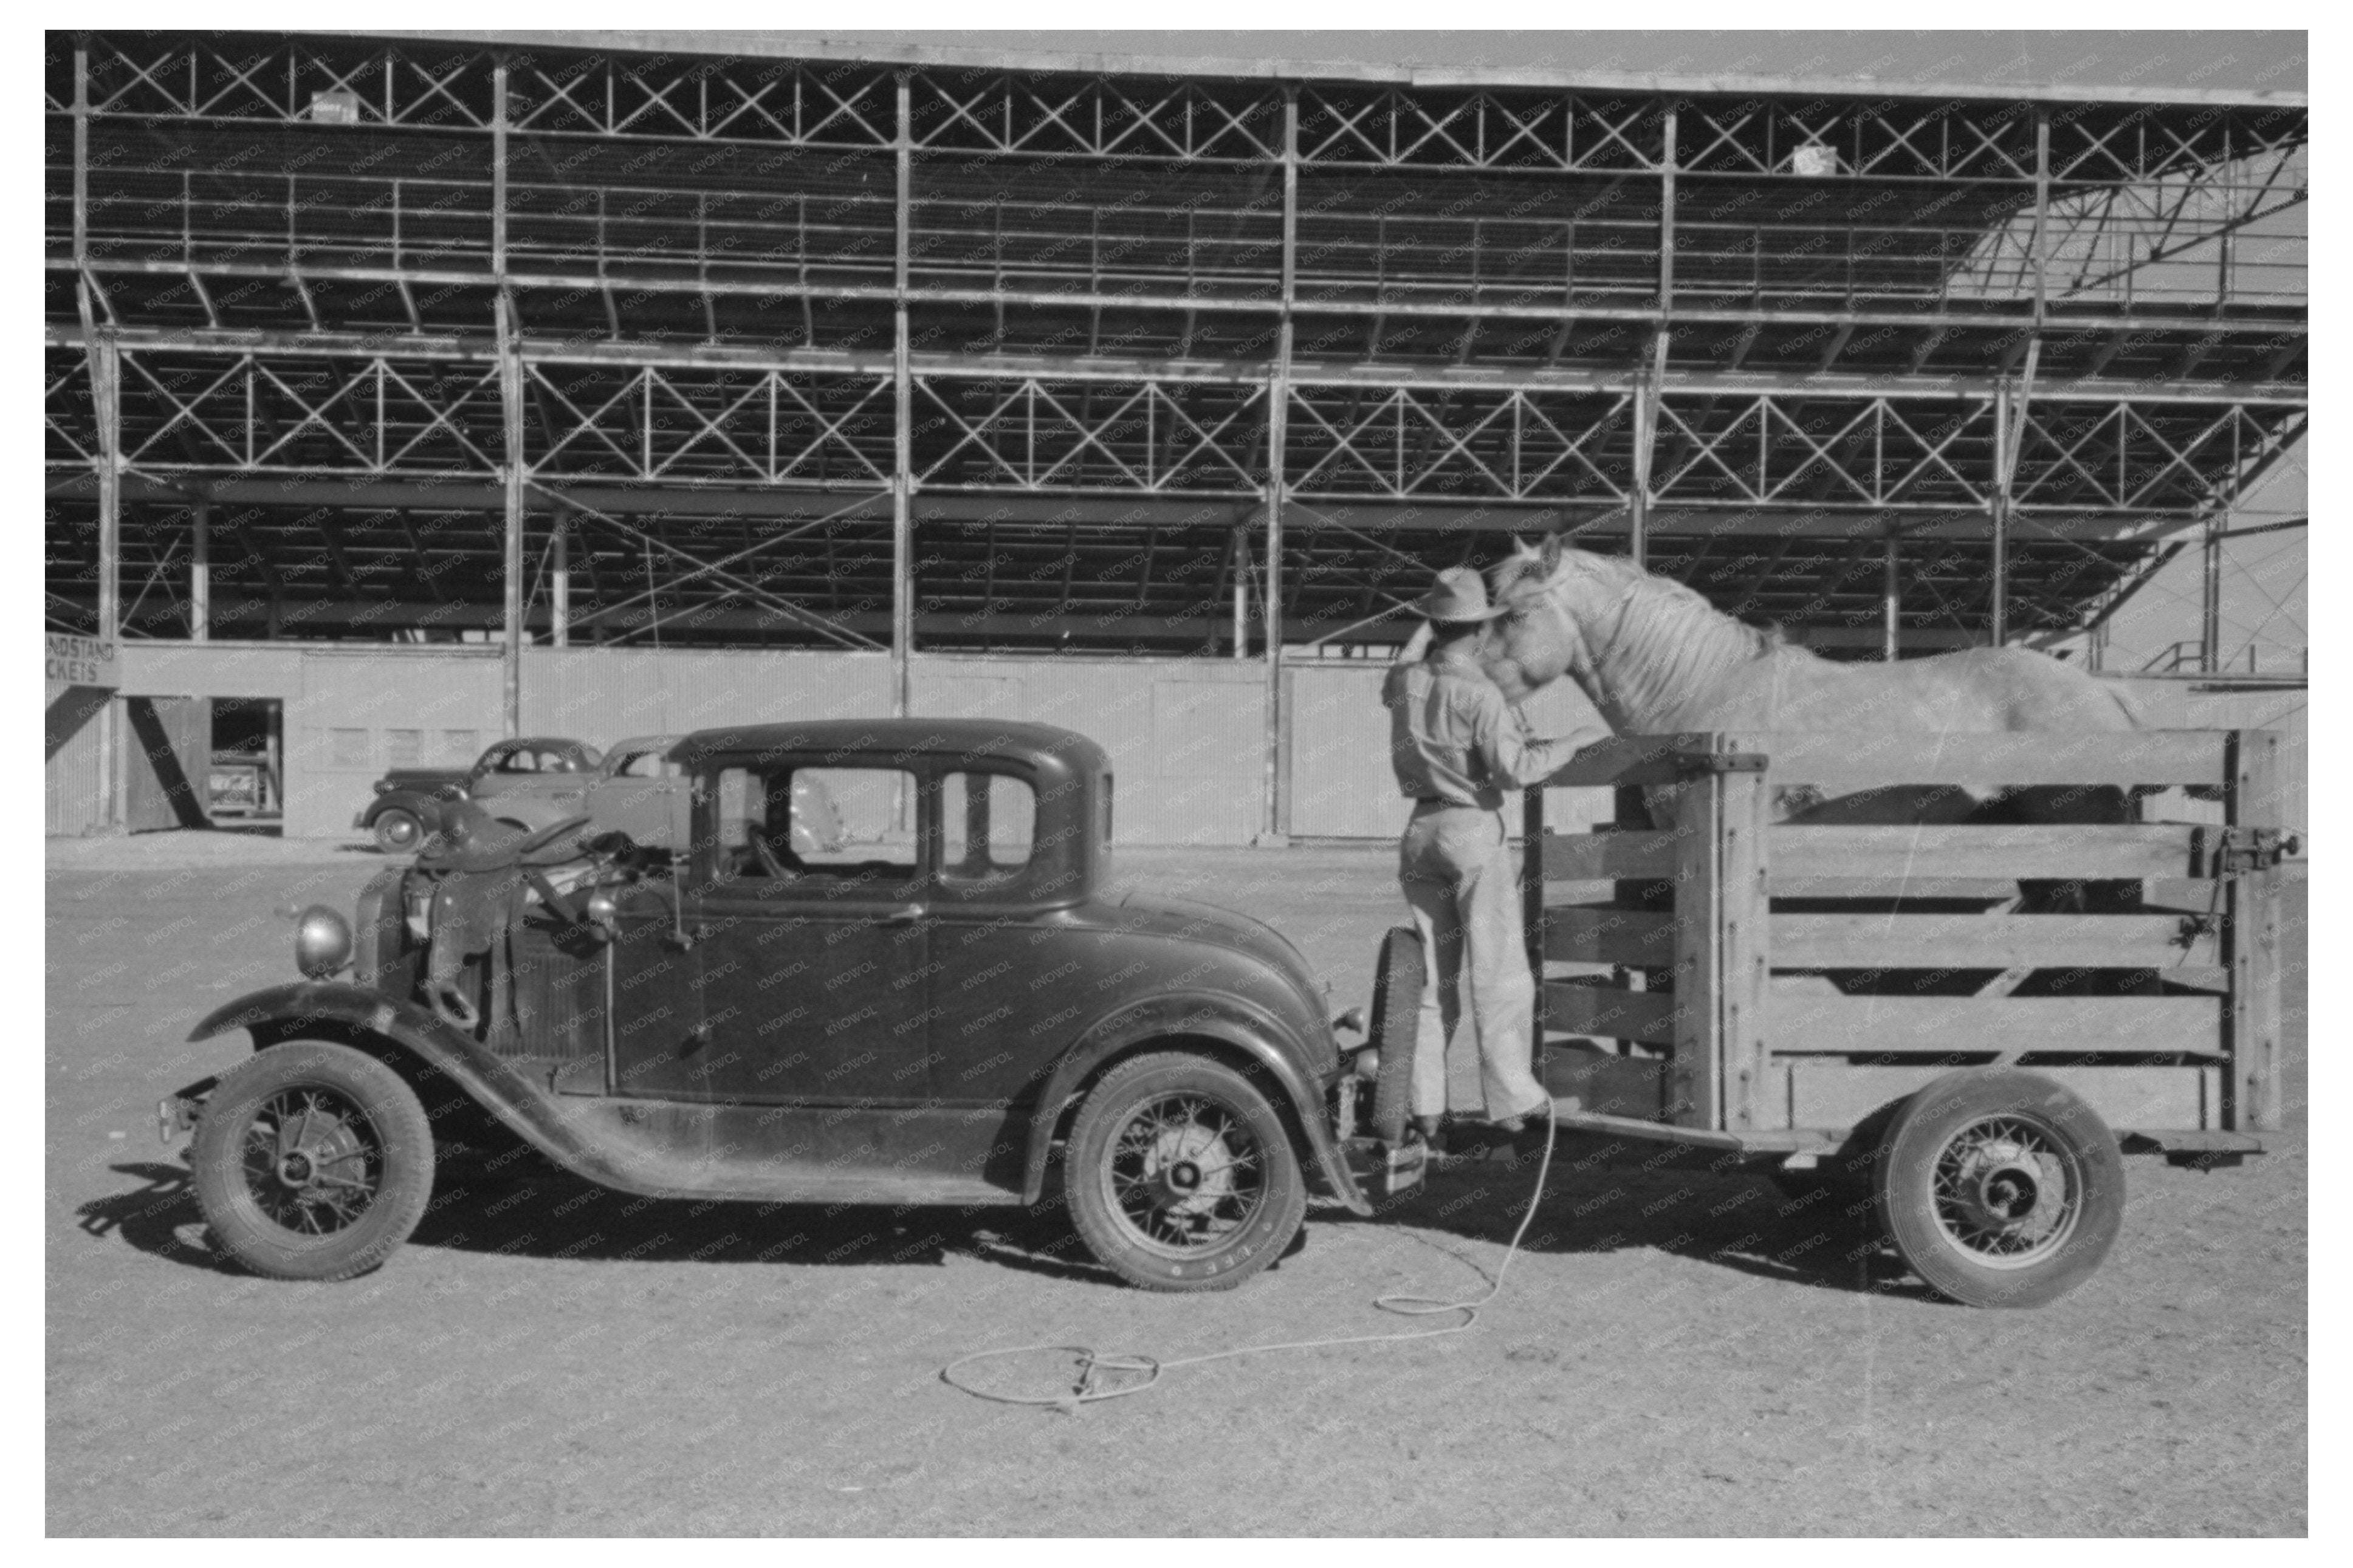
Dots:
{"x": 1767, "y": 988}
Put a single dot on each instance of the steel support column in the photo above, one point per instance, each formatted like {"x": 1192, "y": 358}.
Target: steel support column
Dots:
{"x": 559, "y": 579}
{"x": 2209, "y": 593}
{"x": 1651, "y": 384}
{"x": 510, "y": 399}
{"x": 1238, "y": 559}
{"x": 1278, "y": 423}
{"x": 902, "y": 480}
{"x": 200, "y": 572}
{"x": 1891, "y": 595}
{"x": 511, "y": 568}
{"x": 106, "y": 398}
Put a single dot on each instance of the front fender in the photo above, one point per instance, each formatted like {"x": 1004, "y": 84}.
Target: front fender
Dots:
{"x": 286, "y": 1012}
{"x": 1225, "y": 1019}
{"x": 425, "y": 808}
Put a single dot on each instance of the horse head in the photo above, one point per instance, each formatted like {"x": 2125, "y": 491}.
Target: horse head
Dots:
{"x": 1540, "y": 636}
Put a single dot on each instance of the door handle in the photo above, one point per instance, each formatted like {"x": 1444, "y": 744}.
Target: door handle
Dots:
{"x": 905, "y": 915}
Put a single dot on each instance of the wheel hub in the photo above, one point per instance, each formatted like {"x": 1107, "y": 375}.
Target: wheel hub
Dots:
{"x": 2004, "y": 1195}
{"x": 1188, "y": 1170}
{"x": 297, "y": 1168}
{"x": 2001, "y": 1196}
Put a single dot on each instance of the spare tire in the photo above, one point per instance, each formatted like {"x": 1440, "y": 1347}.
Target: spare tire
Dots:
{"x": 1398, "y": 978}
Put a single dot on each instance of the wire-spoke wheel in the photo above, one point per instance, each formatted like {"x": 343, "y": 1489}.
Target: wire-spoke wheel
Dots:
{"x": 1181, "y": 1177}
{"x": 2000, "y": 1187}
{"x": 312, "y": 1160}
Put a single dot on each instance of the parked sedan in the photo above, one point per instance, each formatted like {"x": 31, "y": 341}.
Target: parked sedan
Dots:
{"x": 408, "y": 801}
{"x": 642, "y": 791}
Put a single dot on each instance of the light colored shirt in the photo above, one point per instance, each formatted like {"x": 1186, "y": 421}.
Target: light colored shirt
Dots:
{"x": 1453, "y": 738}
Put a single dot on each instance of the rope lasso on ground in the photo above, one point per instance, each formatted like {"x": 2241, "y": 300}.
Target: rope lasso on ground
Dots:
{"x": 1146, "y": 1370}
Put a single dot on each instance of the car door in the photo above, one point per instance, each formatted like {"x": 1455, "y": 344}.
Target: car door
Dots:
{"x": 812, "y": 958}
{"x": 1011, "y": 983}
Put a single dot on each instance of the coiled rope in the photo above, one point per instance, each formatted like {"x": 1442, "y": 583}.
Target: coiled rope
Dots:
{"x": 1144, "y": 1370}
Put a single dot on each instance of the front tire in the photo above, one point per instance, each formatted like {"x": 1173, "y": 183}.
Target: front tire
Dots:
{"x": 2000, "y": 1188}
{"x": 1181, "y": 1177}
{"x": 312, "y": 1160}
{"x": 398, "y": 832}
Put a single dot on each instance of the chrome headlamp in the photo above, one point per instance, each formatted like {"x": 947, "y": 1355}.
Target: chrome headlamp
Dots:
{"x": 322, "y": 941}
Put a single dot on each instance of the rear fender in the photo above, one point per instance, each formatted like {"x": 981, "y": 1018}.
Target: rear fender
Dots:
{"x": 1172, "y": 1020}
{"x": 293, "y": 1011}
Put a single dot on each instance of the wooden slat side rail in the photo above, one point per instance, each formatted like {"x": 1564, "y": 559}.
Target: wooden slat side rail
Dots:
{"x": 1610, "y": 1012}
{"x": 1604, "y": 857}
{"x": 1987, "y": 942}
{"x": 2254, "y": 946}
{"x": 1589, "y": 933}
{"x": 1900, "y": 855}
{"x": 1844, "y": 761}
{"x": 1696, "y": 934}
{"x": 1937, "y": 1026}
{"x": 1630, "y": 760}
{"x": 2191, "y": 895}
{"x": 1745, "y": 963}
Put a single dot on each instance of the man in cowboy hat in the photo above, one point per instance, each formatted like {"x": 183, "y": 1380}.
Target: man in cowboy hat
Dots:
{"x": 1458, "y": 749}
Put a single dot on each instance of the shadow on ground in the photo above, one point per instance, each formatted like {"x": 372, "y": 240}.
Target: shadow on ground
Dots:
{"x": 1730, "y": 1219}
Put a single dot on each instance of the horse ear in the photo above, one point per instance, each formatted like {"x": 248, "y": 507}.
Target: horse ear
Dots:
{"x": 1551, "y": 557}
{"x": 1522, "y": 549}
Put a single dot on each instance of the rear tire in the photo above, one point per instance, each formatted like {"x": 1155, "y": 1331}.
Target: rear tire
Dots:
{"x": 2000, "y": 1188}
{"x": 1398, "y": 978}
{"x": 311, "y": 1161}
{"x": 1181, "y": 1177}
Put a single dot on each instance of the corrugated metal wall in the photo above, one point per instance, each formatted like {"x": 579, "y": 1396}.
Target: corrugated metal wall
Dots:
{"x": 1185, "y": 736}
{"x": 1341, "y": 784}
{"x": 70, "y": 780}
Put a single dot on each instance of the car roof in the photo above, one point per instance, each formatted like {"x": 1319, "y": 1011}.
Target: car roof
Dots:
{"x": 553, "y": 742}
{"x": 644, "y": 743}
{"x": 1040, "y": 743}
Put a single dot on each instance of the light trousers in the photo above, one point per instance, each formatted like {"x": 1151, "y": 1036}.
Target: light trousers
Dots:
{"x": 1456, "y": 871}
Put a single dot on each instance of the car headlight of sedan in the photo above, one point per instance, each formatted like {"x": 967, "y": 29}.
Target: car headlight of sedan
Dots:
{"x": 322, "y": 941}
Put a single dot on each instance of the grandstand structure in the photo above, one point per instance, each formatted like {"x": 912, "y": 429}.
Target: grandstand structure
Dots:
{"x": 619, "y": 339}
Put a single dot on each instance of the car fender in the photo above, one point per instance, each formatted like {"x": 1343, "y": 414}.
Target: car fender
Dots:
{"x": 284, "y": 1012}
{"x": 425, "y": 808}
{"x": 1226, "y": 1019}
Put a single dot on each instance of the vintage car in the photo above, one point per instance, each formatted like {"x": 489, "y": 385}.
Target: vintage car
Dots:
{"x": 641, "y": 792}
{"x": 944, "y": 1005}
{"x": 408, "y": 802}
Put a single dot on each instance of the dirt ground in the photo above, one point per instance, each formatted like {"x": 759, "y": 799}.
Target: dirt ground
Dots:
{"x": 1675, "y": 1353}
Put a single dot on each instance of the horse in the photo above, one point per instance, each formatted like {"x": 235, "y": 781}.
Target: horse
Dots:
{"x": 1655, "y": 657}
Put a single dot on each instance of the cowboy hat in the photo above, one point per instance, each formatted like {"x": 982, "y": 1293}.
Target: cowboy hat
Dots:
{"x": 1459, "y": 597}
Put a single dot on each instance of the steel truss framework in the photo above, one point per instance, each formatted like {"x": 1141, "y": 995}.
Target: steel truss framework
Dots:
{"x": 386, "y": 339}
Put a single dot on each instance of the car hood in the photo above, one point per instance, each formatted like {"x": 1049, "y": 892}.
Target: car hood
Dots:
{"x": 1188, "y": 921}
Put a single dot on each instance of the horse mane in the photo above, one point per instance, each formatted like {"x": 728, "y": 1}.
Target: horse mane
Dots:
{"x": 1670, "y": 646}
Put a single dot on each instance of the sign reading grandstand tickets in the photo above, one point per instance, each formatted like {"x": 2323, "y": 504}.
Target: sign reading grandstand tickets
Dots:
{"x": 82, "y": 661}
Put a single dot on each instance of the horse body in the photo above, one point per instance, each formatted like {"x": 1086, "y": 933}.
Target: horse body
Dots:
{"x": 1655, "y": 657}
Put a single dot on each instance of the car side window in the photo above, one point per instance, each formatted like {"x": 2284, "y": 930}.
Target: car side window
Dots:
{"x": 645, "y": 766}
{"x": 516, "y": 762}
{"x": 988, "y": 828}
{"x": 833, "y": 828}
